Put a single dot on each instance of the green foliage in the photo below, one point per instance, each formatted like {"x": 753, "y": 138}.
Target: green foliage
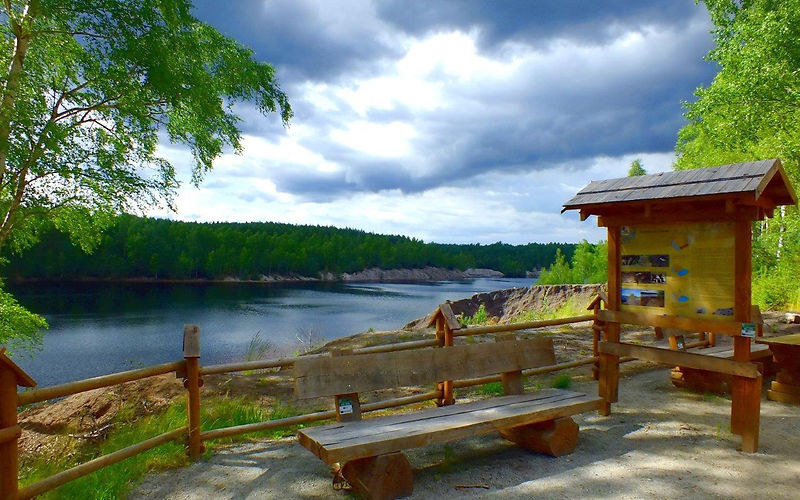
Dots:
{"x": 589, "y": 265}
{"x": 492, "y": 389}
{"x": 751, "y": 111}
{"x": 87, "y": 90}
{"x": 562, "y": 381}
{"x": 19, "y": 328}
{"x": 91, "y": 88}
{"x": 257, "y": 348}
{"x": 479, "y": 318}
{"x": 220, "y": 412}
{"x": 137, "y": 247}
{"x": 636, "y": 168}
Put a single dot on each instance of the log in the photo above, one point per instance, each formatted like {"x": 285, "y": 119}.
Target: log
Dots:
{"x": 554, "y": 437}
{"x": 383, "y": 477}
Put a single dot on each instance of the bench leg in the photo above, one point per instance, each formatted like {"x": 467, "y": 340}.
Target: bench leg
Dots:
{"x": 553, "y": 437}
{"x": 382, "y": 477}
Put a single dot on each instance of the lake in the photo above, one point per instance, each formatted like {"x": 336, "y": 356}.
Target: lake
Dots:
{"x": 100, "y": 328}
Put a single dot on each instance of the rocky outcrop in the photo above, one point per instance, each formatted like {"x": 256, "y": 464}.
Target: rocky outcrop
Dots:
{"x": 424, "y": 274}
{"x": 509, "y": 303}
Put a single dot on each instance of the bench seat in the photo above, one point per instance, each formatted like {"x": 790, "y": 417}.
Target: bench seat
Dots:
{"x": 342, "y": 442}
{"x": 707, "y": 381}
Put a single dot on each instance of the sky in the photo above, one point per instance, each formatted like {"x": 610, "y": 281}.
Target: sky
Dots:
{"x": 450, "y": 121}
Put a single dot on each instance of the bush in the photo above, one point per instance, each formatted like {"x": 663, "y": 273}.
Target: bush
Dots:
{"x": 479, "y": 318}
{"x": 589, "y": 264}
{"x": 562, "y": 381}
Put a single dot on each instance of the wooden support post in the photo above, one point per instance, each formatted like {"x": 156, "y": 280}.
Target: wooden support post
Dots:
{"x": 659, "y": 332}
{"x": 712, "y": 339}
{"x": 608, "y": 383}
{"x": 347, "y": 406}
{"x": 192, "y": 383}
{"x": 8, "y": 419}
{"x": 512, "y": 381}
{"x": 745, "y": 393}
{"x": 444, "y": 333}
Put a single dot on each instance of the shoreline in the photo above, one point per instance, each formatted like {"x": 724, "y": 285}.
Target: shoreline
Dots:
{"x": 372, "y": 275}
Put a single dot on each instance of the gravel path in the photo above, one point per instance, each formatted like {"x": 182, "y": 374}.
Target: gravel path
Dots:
{"x": 659, "y": 442}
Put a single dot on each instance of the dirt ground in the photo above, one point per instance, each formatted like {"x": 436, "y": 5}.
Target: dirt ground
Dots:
{"x": 659, "y": 442}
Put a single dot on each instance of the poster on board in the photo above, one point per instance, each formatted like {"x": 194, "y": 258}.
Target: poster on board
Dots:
{"x": 685, "y": 270}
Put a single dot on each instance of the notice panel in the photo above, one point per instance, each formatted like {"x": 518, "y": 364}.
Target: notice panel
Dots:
{"x": 684, "y": 270}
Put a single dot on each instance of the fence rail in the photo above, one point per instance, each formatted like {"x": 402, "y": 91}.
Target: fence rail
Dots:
{"x": 190, "y": 370}
{"x": 70, "y": 388}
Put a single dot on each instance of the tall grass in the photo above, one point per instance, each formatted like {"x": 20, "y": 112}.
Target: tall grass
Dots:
{"x": 118, "y": 480}
{"x": 573, "y": 306}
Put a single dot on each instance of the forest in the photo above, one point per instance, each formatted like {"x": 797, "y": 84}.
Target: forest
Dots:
{"x": 136, "y": 247}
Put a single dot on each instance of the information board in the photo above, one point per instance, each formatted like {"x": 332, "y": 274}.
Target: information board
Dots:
{"x": 684, "y": 270}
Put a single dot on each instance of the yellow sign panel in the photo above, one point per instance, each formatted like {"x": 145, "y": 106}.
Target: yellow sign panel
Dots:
{"x": 683, "y": 270}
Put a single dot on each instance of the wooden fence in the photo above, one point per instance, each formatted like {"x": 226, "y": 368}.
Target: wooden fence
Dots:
{"x": 192, "y": 372}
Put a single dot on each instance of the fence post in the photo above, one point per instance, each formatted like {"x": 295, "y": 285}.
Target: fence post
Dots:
{"x": 597, "y": 329}
{"x": 445, "y": 322}
{"x": 8, "y": 420}
{"x": 192, "y": 383}
{"x": 11, "y": 376}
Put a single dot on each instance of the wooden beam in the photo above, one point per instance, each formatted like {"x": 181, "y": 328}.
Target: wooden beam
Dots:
{"x": 688, "y": 324}
{"x": 327, "y": 376}
{"x": 57, "y": 391}
{"x": 745, "y": 394}
{"x": 608, "y": 364}
{"x": 677, "y": 216}
{"x": 682, "y": 358}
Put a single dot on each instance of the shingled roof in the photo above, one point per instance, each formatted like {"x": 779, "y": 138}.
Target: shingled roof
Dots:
{"x": 765, "y": 177}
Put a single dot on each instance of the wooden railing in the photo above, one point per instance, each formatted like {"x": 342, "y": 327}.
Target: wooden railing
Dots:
{"x": 192, "y": 372}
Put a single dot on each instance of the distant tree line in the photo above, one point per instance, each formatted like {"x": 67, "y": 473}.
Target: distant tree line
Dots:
{"x": 136, "y": 247}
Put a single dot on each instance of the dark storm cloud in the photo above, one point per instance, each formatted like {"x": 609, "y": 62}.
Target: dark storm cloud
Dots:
{"x": 536, "y": 22}
{"x": 563, "y": 111}
{"x": 304, "y": 39}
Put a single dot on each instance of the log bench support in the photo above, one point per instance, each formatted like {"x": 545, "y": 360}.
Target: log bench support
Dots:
{"x": 552, "y": 437}
{"x": 382, "y": 477}
{"x": 786, "y": 386}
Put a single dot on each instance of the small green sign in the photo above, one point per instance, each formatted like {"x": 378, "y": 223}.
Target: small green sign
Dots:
{"x": 749, "y": 330}
{"x": 345, "y": 406}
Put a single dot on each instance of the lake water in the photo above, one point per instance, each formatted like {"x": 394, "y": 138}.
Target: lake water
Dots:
{"x": 103, "y": 328}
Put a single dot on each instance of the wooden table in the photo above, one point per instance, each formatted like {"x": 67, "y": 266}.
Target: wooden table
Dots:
{"x": 786, "y": 351}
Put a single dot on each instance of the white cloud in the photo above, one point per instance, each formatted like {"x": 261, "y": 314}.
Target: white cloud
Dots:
{"x": 450, "y": 143}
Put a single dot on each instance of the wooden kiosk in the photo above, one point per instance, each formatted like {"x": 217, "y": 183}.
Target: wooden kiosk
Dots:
{"x": 679, "y": 256}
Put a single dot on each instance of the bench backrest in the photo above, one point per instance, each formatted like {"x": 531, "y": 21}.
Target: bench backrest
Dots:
{"x": 328, "y": 376}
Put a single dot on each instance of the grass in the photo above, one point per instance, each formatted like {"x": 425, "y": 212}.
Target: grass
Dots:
{"x": 492, "y": 389}
{"x": 119, "y": 479}
{"x": 573, "y": 306}
{"x": 116, "y": 480}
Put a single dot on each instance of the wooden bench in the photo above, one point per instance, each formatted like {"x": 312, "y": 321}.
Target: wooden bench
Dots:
{"x": 370, "y": 451}
{"x": 720, "y": 383}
